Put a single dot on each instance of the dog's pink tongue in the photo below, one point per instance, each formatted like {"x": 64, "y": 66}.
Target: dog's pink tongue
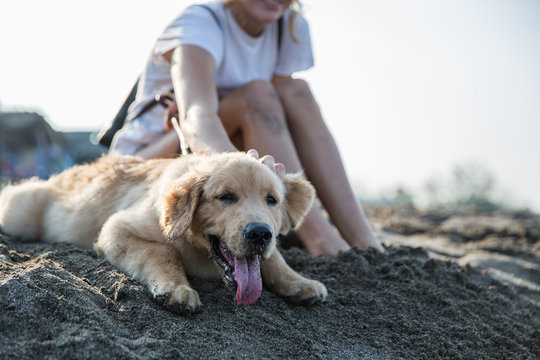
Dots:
{"x": 247, "y": 273}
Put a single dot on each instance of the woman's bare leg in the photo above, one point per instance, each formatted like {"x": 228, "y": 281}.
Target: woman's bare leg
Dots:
{"x": 255, "y": 111}
{"x": 165, "y": 147}
{"x": 322, "y": 161}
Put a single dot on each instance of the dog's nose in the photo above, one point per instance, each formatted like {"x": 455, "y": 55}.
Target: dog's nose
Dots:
{"x": 258, "y": 236}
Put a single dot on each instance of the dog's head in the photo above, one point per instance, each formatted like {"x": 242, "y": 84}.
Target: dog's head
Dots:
{"x": 235, "y": 207}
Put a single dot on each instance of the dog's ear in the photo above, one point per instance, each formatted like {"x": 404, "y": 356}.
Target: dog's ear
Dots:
{"x": 179, "y": 204}
{"x": 299, "y": 196}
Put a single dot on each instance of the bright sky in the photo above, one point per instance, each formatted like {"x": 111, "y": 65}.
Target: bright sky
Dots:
{"x": 409, "y": 88}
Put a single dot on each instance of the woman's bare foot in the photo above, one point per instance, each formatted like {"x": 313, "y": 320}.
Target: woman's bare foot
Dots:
{"x": 365, "y": 241}
{"x": 362, "y": 236}
{"x": 318, "y": 236}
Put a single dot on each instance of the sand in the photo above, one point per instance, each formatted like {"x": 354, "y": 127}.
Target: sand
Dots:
{"x": 451, "y": 285}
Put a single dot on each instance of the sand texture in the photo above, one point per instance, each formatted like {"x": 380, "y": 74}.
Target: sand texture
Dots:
{"x": 460, "y": 285}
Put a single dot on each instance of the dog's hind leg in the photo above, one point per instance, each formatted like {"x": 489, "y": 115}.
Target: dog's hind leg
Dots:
{"x": 22, "y": 208}
{"x": 158, "y": 265}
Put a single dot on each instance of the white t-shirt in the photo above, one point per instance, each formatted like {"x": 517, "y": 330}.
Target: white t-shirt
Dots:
{"x": 239, "y": 58}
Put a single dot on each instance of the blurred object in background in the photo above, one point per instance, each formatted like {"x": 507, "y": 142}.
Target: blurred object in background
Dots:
{"x": 83, "y": 146}
{"x": 29, "y": 147}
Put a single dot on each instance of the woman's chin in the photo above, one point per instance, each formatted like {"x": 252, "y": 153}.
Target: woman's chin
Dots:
{"x": 272, "y": 10}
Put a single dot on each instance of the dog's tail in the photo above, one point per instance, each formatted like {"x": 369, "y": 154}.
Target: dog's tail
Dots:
{"x": 22, "y": 208}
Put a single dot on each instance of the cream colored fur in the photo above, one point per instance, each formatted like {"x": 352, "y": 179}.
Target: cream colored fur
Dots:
{"x": 152, "y": 219}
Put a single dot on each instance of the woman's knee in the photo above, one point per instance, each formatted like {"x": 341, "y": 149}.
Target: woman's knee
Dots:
{"x": 260, "y": 93}
{"x": 262, "y": 106}
{"x": 300, "y": 105}
{"x": 294, "y": 89}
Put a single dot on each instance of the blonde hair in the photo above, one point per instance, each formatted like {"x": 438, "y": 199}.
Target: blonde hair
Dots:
{"x": 295, "y": 9}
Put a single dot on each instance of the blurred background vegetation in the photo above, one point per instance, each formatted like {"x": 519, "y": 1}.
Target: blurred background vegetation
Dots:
{"x": 470, "y": 185}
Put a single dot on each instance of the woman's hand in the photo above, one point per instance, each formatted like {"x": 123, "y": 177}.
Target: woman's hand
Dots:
{"x": 170, "y": 113}
{"x": 268, "y": 160}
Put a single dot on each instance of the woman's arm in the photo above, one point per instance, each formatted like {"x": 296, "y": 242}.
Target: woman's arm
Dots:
{"x": 192, "y": 71}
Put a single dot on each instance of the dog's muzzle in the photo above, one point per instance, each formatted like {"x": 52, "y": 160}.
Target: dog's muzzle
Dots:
{"x": 243, "y": 272}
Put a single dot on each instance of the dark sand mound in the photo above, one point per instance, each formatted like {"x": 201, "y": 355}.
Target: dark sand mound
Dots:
{"x": 59, "y": 301}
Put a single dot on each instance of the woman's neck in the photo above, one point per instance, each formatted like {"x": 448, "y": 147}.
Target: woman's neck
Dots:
{"x": 250, "y": 25}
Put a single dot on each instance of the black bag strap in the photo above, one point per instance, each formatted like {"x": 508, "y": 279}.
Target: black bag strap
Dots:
{"x": 107, "y": 132}
{"x": 212, "y": 12}
{"x": 280, "y": 33}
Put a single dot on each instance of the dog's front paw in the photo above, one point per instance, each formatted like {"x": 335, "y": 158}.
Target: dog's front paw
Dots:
{"x": 180, "y": 299}
{"x": 306, "y": 292}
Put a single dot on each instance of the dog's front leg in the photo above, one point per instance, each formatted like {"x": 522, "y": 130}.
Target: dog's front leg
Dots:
{"x": 157, "y": 265}
{"x": 284, "y": 281}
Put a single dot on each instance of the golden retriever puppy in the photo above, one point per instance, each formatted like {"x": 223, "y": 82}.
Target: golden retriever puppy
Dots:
{"x": 160, "y": 220}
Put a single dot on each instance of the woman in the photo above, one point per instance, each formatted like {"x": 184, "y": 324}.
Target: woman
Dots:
{"x": 231, "y": 65}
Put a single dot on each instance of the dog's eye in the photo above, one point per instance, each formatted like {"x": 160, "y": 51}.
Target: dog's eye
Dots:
{"x": 228, "y": 198}
{"x": 271, "y": 200}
